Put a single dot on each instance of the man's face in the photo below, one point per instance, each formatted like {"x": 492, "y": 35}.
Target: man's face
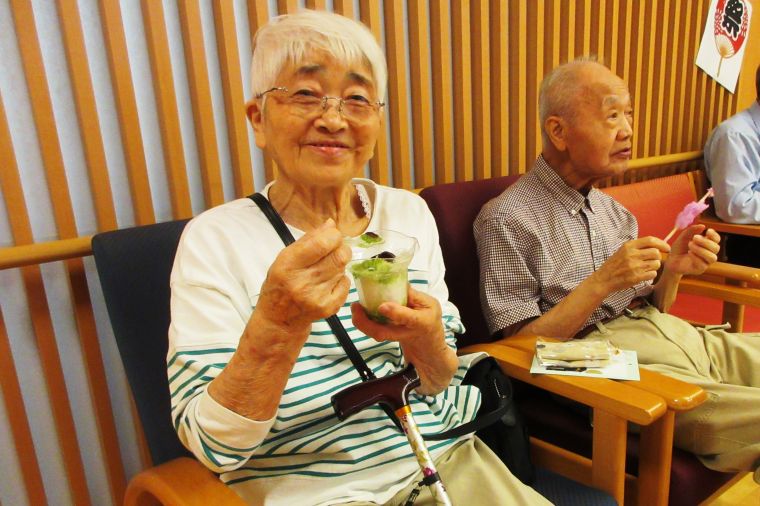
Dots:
{"x": 598, "y": 139}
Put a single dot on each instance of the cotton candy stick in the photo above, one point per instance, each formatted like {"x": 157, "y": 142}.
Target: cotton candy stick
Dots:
{"x": 689, "y": 213}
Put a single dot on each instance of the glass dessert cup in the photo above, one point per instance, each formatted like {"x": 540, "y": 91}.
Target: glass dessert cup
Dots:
{"x": 379, "y": 264}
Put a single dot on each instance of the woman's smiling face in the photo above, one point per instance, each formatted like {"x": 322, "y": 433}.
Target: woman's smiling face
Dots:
{"x": 321, "y": 148}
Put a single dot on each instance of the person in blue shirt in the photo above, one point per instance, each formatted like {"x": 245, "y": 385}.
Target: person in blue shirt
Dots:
{"x": 732, "y": 163}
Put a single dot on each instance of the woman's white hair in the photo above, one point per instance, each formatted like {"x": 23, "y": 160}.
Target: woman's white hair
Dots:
{"x": 559, "y": 90}
{"x": 289, "y": 38}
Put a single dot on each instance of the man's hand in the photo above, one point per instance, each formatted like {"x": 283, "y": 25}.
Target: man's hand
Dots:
{"x": 636, "y": 261}
{"x": 693, "y": 252}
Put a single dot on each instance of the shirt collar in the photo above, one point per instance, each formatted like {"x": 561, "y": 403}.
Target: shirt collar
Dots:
{"x": 570, "y": 198}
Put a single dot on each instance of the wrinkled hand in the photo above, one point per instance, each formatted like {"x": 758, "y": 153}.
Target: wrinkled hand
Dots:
{"x": 307, "y": 280}
{"x": 693, "y": 252}
{"x": 419, "y": 331}
{"x": 417, "y": 324}
{"x": 636, "y": 261}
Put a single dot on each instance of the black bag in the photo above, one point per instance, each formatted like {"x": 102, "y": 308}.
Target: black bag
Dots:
{"x": 508, "y": 436}
{"x": 497, "y": 424}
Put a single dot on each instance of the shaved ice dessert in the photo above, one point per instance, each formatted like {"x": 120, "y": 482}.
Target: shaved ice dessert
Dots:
{"x": 379, "y": 265}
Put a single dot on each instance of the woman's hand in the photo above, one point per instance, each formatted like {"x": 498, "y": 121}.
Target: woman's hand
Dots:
{"x": 307, "y": 280}
{"x": 693, "y": 252}
{"x": 417, "y": 327}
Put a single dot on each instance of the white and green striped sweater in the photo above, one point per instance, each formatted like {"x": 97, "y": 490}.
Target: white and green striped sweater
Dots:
{"x": 304, "y": 455}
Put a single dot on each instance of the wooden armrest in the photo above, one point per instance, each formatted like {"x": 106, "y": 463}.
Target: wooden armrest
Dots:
{"x": 719, "y": 225}
{"x": 728, "y": 293}
{"x": 678, "y": 395}
{"x": 749, "y": 275}
{"x": 182, "y": 481}
{"x": 616, "y": 398}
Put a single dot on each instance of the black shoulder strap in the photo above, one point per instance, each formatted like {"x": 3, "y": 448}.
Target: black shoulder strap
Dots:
{"x": 353, "y": 354}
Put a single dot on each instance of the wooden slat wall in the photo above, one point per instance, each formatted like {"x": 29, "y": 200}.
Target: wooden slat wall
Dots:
{"x": 463, "y": 87}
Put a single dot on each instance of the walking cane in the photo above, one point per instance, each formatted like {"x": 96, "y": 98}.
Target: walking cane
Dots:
{"x": 393, "y": 391}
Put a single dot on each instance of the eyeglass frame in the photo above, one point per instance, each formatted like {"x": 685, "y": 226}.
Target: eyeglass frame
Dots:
{"x": 324, "y": 99}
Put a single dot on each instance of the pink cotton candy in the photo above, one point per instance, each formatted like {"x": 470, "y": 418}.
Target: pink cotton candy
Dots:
{"x": 689, "y": 213}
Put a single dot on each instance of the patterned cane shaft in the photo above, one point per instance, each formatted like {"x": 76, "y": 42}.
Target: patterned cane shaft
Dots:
{"x": 437, "y": 490}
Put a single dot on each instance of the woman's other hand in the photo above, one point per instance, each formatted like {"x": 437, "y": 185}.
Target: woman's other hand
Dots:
{"x": 418, "y": 329}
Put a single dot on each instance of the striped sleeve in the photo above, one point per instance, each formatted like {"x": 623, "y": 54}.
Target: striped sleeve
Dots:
{"x": 217, "y": 436}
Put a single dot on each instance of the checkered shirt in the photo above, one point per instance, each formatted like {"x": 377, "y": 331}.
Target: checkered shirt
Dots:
{"x": 540, "y": 239}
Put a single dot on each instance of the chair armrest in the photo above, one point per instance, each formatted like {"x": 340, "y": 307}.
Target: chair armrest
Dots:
{"x": 678, "y": 395}
{"x": 722, "y": 291}
{"x": 616, "y": 398}
{"x": 750, "y": 275}
{"x": 719, "y": 225}
{"x": 182, "y": 481}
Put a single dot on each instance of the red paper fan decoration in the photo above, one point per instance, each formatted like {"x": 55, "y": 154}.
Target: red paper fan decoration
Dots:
{"x": 730, "y": 29}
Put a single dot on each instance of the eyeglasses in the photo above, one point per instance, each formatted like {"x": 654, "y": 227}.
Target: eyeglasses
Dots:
{"x": 356, "y": 108}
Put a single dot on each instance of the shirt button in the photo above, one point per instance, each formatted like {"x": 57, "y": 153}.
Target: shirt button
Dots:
{"x": 573, "y": 212}
{"x": 593, "y": 233}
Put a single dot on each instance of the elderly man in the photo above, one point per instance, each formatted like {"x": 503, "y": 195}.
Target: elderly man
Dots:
{"x": 560, "y": 258}
{"x": 732, "y": 162}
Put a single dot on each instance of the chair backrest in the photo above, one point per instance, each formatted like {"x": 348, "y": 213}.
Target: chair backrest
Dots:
{"x": 134, "y": 265}
{"x": 655, "y": 202}
{"x": 455, "y": 207}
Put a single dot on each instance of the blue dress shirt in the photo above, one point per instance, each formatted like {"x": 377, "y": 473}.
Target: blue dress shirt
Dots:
{"x": 732, "y": 163}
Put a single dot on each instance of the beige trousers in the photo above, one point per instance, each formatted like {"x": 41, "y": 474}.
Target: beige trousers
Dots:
{"x": 725, "y": 430}
{"x": 472, "y": 474}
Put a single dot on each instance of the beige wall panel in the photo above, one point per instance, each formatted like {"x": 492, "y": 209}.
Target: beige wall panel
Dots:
{"x": 462, "y": 104}
{"x": 168, "y": 115}
{"x": 463, "y": 120}
{"x": 344, "y": 7}
{"x": 683, "y": 67}
{"x": 44, "y": 119}
{"x": 500, "y": 73}
{"x": 443, "y": 131}
{"x": 10, "y": 187}
{"x": 200, "y": 95}
{"x": 234, "y": 101}
{"x": 481, "y": 89}
{"x": 421, "y": 92}
{"x": 535, "y": 72}
{"x": 315, "y": 4}
{"x": 129, "y": 123}
{"x": 398, "y": 92}
{"x": 370, "y": 15}
{"x": 287, "y": 6}
{"x": 10, "y": 183}
{"x": 258, "y": 14}
{"x": 87, "y": 114}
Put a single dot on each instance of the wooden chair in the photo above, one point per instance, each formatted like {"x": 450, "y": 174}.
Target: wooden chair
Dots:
{"x": 134, "y": 265}
{"x": 564, "y": 441}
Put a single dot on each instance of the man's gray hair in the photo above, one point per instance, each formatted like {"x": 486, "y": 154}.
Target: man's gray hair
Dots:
{"x": 289, "y": 38}
{"x": 559, "y": 91}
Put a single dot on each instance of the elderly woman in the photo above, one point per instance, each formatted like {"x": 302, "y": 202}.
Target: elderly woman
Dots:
{"x": 252, "y": 363}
